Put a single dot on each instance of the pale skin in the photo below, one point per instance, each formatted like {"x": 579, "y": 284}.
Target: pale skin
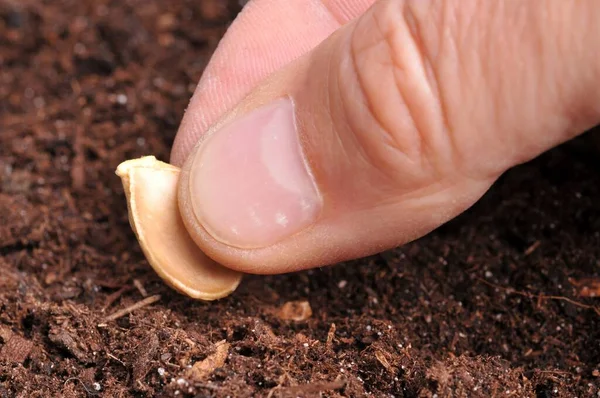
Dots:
{"x": 405, "y": 113}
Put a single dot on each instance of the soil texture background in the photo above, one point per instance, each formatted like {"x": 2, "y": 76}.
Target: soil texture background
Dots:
{"x": 499, "y": 302}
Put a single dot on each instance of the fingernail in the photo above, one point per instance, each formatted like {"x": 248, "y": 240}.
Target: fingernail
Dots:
{"x": 250, "y": 183}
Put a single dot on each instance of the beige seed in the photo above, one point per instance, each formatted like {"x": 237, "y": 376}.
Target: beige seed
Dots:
{"x": 151, "y": 190}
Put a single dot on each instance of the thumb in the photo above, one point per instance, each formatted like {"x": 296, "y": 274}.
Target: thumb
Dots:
{"x": 395, "y": 124}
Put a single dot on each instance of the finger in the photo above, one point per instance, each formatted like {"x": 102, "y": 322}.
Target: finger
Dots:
{"x": 392, "y": 126}
{"x": 264, "y": 37}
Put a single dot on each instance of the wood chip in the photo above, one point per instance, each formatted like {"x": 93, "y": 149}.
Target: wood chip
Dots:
{"x": 381, "y": 358}
{"x": 587, "y": 287}
{"x": 140, "y": 287}
{"x": 532, "y": 248}
{"x": 330, "y": 335}
{"x": 140, "y": 304}
{"x": 295, "y": 311}
{"x": 200, "y": 371}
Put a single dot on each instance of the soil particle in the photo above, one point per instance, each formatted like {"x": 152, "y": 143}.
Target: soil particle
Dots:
{"x": 61, "y": 338}
{"x": 15, "y": 349}
{"x": 146, "y": 355}
{"x": 499, "y": 302}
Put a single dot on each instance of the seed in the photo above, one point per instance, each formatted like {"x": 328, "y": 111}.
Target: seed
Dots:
{"x": 151, "y": 190}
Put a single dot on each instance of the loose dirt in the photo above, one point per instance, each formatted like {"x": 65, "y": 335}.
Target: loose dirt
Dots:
{"x": 499, "y": 302}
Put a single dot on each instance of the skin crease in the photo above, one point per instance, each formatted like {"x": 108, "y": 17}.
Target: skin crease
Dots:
{"x": 406, "y": 115}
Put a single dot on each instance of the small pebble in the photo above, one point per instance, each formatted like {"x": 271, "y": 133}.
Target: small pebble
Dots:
{"x": 121, "y": 99}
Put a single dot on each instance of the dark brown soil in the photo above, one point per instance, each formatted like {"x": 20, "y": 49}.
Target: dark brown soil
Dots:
{"x": 496, "y": 303}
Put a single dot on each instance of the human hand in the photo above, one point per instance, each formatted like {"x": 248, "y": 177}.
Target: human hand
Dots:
{"x": 328, "y": 130}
